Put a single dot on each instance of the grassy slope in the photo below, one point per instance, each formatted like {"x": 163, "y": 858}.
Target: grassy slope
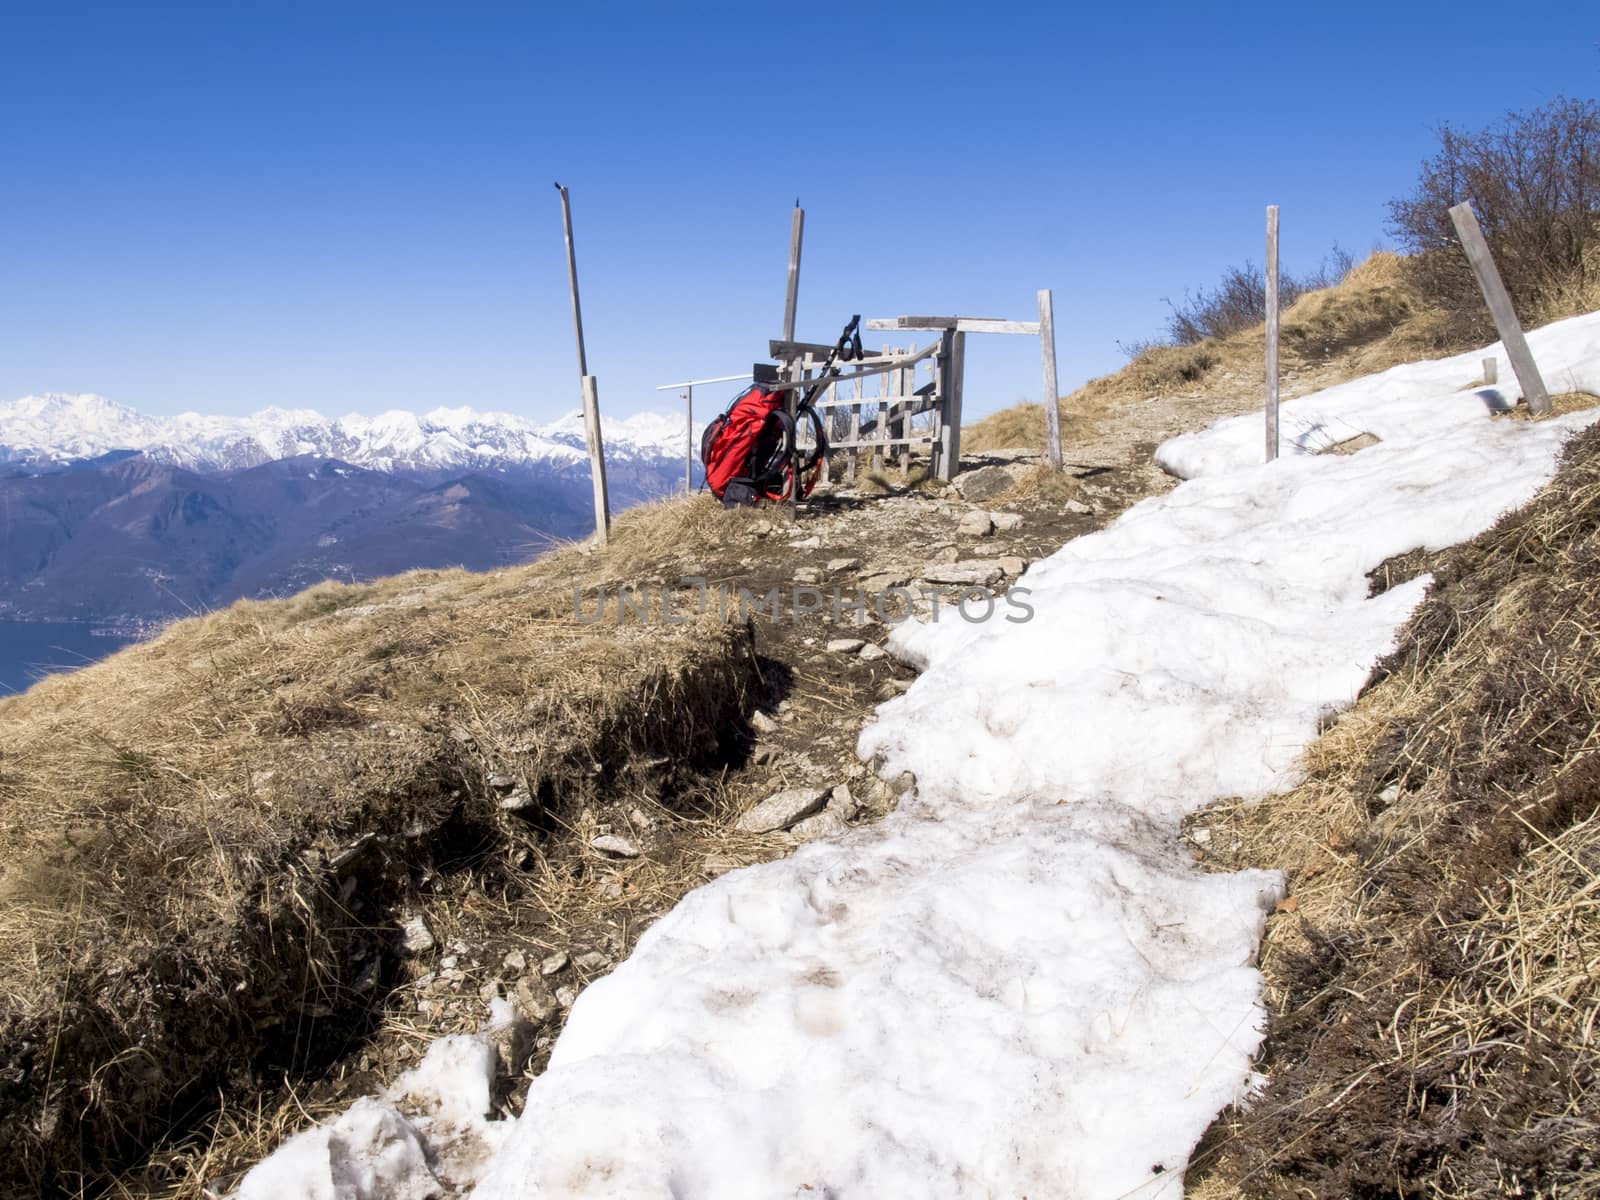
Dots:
{"x": 173, "y": 904}
{"x": 1435, "y": 991}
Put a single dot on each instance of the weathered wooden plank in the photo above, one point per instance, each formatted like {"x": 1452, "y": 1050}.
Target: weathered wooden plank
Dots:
{"x": 597, "y": 459}
{"x": 1272, "y": 332}
{"x": 952, "y": 413}
{"x": 1491, "y": 370}
{"x": 892, "y": 363}
{"x": 855, "y": 433}
{"x": 959, "y": 324}
{"x": 1500, "y": 308}
{"x": 781, "y": 351}
{"x": 572, "y": 274}
{"x": 940, "y": 456}
{"x": 590, "y": 390}
{"x": 688, "y": 439}
{"x": 864, "y": 443}
{"x": 791, "y": 297}
{"x": 1052, "y": 396}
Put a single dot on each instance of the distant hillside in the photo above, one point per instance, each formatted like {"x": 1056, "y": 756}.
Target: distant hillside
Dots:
{"x": 113, "y": 518}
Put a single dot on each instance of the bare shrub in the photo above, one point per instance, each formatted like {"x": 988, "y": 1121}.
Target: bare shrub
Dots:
{"x": 1240, "y": 299}
{"x": 1534, "y": 181}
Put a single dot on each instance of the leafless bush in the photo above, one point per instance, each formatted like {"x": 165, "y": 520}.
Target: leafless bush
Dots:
{"x": 1240, "y": 300}
{"x": 1534, "y": 181}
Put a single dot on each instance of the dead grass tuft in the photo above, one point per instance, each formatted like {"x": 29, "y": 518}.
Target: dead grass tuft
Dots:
{"x": 1018, "y": 427}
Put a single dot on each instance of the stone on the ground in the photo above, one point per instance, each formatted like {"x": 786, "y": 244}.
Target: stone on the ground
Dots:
{"x": 762, "y": 723}
{"x": 836, "y": 565}
{"x": 824, "y": 824}
{"x": 808, "y": 575}
{"x": 976, "y": 524}
{"x": 986, "y": 482}
{"x": 591, "y": 961}
{"x": 882, "y": 581}
{"x": 1079, "y": 507}
{"x": 1013, "y": 565}
{"x": 554, "y": 964}
{"x": 979, "y": 572}
{"x": 533, "y": 1001}
{"x": 517, "y": 799}
{"x": 1005, "y": 522}
{"x": 890, "y": 688}
{"x": 783, "y": 809}
{"x": 416, "y": 937}
{"x": 761, "y": 528}
{"x": 566, "y": 996}
{"x": 502, "y": 783}
{"x": 511, "y": 1042}
{"x": 872, "y": 652}
{"x": 811, "y": 543}
{"x": 845, "y": 645}
{"x": 842, "y": 802}
{"x": 615, "y": 845}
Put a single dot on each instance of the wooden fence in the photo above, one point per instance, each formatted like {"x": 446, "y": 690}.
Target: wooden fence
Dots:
{"x": 889, "y": 406}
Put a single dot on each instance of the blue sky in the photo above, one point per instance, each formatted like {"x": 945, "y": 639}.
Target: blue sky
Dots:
{"x": 349, "y": 206}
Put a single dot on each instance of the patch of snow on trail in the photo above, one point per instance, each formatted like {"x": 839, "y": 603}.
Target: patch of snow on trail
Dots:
{"x": 1412, "y": 402}
{"x": 1018, "y": 983}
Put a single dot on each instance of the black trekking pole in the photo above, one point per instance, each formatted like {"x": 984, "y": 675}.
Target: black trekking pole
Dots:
{"x": 847, "y": 348}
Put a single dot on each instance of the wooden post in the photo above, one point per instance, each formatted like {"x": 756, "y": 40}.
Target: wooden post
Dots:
{"x": 591, "y": 393}
{"x": 1499, "y": 302}
{"x": 797, "y": 230}
{"x": 1052, "y": 400}
{"x": 952, "y": 416}
{"x": 1272, "y": 332}
{"x": 688, "y": 439}
{"x": 597, "y": 459}
{"x": 1491, "y": 370}
{"x": 855, "y": 433}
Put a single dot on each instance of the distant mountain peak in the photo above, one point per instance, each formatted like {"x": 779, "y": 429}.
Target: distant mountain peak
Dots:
{"x": 62, "y": 428}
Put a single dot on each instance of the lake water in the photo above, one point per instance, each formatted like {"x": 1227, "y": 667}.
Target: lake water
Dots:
{"x": 29, "y": 649}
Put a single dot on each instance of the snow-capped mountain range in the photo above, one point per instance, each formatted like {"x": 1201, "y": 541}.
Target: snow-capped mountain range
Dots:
{"x": 56, "y": 428}
{"x": 115, "y": 518}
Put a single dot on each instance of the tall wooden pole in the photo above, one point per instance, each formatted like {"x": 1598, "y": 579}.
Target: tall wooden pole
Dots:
{"x": 797, "y": 231}
{"x": 1500, "y": 308}
{"x": 591, "y": 390}
{"x": 688, "y": 439}
{"x": 1272, "y": 332}
{"x": 1052, "y": 401}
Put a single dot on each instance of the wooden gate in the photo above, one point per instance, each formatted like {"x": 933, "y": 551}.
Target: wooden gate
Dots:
{"x": 891, "y": 405}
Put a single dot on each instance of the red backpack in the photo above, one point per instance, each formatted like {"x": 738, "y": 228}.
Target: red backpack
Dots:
{"x": 749, "y": 451}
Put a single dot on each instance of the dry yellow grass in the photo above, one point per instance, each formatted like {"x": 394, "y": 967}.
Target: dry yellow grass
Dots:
{"x": 174, "y": 820}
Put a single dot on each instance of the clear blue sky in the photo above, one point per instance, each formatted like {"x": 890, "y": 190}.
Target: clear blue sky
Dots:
{"x": 349, "y": 206}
